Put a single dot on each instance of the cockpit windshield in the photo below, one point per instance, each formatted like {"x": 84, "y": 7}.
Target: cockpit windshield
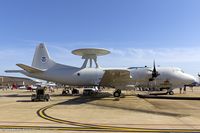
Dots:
{"x": 179, "y": 70}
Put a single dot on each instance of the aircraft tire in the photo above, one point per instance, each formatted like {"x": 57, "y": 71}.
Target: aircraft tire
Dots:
{"x": 117, "y": 93}
{"x": 171, "y": 93}
{"x": 64, "y": 92}
{"x": 90, "y": 93}
{"x": 47, "y": 97}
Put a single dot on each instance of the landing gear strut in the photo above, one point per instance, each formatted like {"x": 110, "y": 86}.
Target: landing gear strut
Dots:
{"x": 117, "y": 93}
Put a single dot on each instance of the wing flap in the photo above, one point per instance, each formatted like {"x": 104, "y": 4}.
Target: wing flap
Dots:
{"x": 116, "y": 77}
{"x": 29, "y": 68}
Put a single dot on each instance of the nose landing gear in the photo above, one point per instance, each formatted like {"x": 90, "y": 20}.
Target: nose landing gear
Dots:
{"x": 171, "y": 93}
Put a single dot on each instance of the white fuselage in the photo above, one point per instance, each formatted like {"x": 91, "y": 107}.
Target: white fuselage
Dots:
{"x": 169, "y": 77}
{"x": 43, "y": 67}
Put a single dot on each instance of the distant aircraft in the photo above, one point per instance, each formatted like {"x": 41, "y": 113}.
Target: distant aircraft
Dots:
{"x": 43, "y": 67}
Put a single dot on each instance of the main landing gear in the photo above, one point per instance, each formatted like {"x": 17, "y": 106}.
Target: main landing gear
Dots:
{"x": 170, "y": 91}
{"x": 117, "y": 93}
{"x": 69, "y": 90}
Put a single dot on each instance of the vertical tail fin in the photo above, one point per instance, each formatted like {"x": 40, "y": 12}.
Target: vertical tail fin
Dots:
{"x": 41, "y": 58}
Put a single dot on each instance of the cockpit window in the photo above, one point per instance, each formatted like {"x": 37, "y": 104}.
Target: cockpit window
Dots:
{"x": 179, "y": 70}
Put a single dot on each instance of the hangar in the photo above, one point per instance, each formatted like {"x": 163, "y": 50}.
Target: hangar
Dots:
{"x": 9, "y": 80}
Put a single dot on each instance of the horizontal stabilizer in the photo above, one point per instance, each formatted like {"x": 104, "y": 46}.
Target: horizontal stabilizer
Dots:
{"x": 29, "y": 68}
{"x": 13, "y": 71}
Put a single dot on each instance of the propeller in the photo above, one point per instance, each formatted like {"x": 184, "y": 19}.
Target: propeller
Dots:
{"x": 154, "y": 72}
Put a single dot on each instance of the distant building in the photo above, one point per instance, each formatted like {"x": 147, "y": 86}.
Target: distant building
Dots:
{"x": 8, "y": 80}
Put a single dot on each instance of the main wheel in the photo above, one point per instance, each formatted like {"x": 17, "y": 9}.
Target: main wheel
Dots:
{"x": 90, "y": 93}
{"x": 64, "y": 92}
{"x": 171, "y": 93}
{"x": 117, "y": 93}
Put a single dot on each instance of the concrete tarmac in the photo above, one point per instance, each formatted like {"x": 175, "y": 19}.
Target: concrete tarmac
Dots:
{"x": 101, "y": 113}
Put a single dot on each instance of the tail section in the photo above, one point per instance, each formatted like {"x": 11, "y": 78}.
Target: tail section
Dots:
{"x": 41, "y": 58}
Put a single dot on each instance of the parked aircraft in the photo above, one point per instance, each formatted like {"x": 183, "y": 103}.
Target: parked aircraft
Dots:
{"x": 43, "y": 67}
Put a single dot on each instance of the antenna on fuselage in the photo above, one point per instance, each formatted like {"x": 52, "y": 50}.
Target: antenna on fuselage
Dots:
{"x": 90, "y": 54}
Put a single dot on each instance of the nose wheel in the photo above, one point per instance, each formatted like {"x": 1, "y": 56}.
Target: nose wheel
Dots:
{"x": 171, "y": 93}
{"x": 117, "y": 93}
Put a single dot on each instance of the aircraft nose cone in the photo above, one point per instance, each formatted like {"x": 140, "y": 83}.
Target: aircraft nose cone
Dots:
{"x": 189, "y": 79}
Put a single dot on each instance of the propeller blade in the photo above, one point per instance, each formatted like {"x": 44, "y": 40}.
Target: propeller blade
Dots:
{"x": 154, "y": 72}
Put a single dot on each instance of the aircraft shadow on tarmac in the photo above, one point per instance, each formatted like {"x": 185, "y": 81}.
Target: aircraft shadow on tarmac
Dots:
{"x": 168, "y": 97}
{"x": 85, "y": 99}
{"x": 15, "y": 95}
{"x": 88, "y": 100}
{"x": 24, "y": 101}
{"x": 155, "y": 112}
{"x": 79, "y": 99}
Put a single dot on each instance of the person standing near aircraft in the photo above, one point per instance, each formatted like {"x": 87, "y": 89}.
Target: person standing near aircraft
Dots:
{"x": 184, "y": 89}
{"x": 180, "y": 90}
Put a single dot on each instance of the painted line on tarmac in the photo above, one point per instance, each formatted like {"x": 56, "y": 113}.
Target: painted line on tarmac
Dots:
{"x": 90, "y": 129}
{"x": 41, "y": 113}
{"x": 49, "y": 128}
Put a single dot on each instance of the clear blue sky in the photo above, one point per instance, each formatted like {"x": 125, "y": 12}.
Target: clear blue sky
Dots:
{"x": 136, "y": 31}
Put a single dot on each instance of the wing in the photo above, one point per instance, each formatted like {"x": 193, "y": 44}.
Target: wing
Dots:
{"x": 29, "y": 68}
{"x": 116, "y": 78}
